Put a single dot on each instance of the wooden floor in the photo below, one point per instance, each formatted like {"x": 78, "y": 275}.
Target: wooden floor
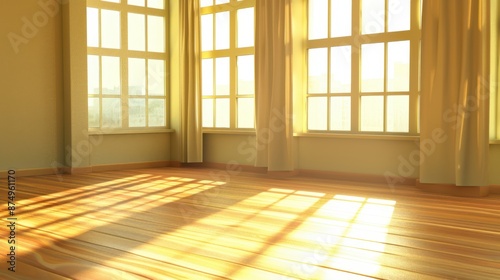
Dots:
{"x": 203, "y": 224}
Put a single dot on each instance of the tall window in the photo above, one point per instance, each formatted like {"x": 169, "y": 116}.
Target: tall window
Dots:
{"x": 363, "y": 59}
{"x": 127, "y": 52}
{"x": 227, "y": 42}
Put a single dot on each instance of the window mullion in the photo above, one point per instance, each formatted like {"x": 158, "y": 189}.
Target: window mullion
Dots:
{"x": 355, "y": 66}
{"x": 232, "y": 66}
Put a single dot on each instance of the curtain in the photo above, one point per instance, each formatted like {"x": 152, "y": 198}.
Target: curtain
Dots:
{"x": 273, "y": 78}
{"x": 454, "y": 92}
{"x": 190, "y": 82}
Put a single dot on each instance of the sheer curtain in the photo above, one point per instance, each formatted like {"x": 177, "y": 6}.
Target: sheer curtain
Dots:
{"x": 455, "y": 81}
{"x": 273, "y": 78}
{"x": 191, "y": 141}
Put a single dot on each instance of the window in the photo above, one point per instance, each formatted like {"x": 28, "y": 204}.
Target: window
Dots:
{"x": 127, "y": 51}
{"x": 227, "y": 42}
{"x": 363, "y": 59}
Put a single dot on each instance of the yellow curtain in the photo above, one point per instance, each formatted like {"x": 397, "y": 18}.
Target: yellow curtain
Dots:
{"x": 455, "y": 83}
{"x": 273, "y": 78}
{"x": 190, "y": 87}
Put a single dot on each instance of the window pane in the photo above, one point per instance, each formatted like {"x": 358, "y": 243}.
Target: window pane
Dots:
{"x": 206, "y": 3}
{"x": 399, "y": 15}
{"x": 136, "y": 76}
{"x": 340, "y": 113}
{"x": 113, "y": 1}
{"x": 222, "y": 112}
{"x": 94, "y": 115}
{"x": 372, "y": 67}
{"x": 156, "y": 4}
{"x": 136, "y": 32}
{"x": 156, "y": 112}
{"x": 222, "y": 76}
{"x": 111, "y": 112}
{"x": 398, "y": 113}
{"x": 245, "y": 28}
{"x": 111, "y": 75}
{"x": 246, "y": 74}
{"x": 217, "y": 2}
{"x": 137, "y": 112}
{"x": 373, "y": 13}
{"x": 156, "y": 34}
{"x": 318, "y": 19}
{"x": 208, "y": 113}
{"x": 207, "y": 32}
{"x": 207, "y": 76}
{"x": 110, "y": 29}
{"x": 317, "y": 113}
{"x": 341, "y": 21}
{"x": 246, "y": 112}
{"x": 222, "y": 30}
{"x": 398, "y": 68}
{"x": 93, "y": 74}
{"x": 372, "y": 113}
{"x": 340, "y": 69}
{"x": 92, "y": 27}
{"x": 318, "y": 69}
{"x": 156, "y": 77}
{"x": 136, "y": 2}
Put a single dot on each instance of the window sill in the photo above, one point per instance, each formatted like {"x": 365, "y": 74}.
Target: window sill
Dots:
{"x": 230, "y": 131}
{"x": 359, "y": 136}
{"x": 129, "y": 131}
{"x": 495, "y": 142}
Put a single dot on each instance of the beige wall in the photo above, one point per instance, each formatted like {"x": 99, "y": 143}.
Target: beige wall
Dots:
{"x": 31, "y": 113}
{"x": 495, "y": 165}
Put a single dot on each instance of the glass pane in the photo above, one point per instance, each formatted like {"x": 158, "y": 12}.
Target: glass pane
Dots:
{"x": 372, "y": 67}
{"x": 92, "y": 27}
{"x": 222, "y": 112}
{"x": 217, "y": 2}
{"x": 398, "y": 113}
{"x": 207, "y": 32}
{"x": 156, "y": 112}
{"x": 156, "y": 34}
{"x": 317, "y": 113}
{"x": 94, "y": 115}
{"x": 137, "y": 112}
{"x": 341, "y": 21}
{"x": 136, "y": 2}
{"x": 93, "y": 74}
{"x": 206, "y": 3}
{"x": 156, "y": 4}
{"x": 110, "y": 29}
{"x": 318, "y": 69}
{"x": 222, "y": 76}
{"x": 222, "y": 30}
{"x": 207, "y": 76}
{"x": 246, "y": 74}
{"x": 245, "y": 28}
{"x": 318, "y": 19}
{"x": 373, "y": 14}
{"x": 136, "y": 32}
{"x": 340, "y": 69}
{"x": 399, "y": 15}
{"x": 136, "y": 76}
{"x": 246, "y": 112}
{"x": 111, "y": 112}
{"x": 111, "y": 75}
{"x": 207, "y": 113}
{"x": 340, "y": 113}
{"x": 156, "y": 77}
{"x": 398, "y": 66}
{"x": 113, "y": 1}
{"x": 372, "y": 113}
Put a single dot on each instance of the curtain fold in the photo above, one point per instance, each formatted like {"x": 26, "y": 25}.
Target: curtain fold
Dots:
{"x": 273, "y": 78}
{"x": 190, "y": 79}
{"x": 455, "y": 83}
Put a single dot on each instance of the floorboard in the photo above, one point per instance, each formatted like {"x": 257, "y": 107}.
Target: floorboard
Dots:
{"x": 181, "y": 223}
